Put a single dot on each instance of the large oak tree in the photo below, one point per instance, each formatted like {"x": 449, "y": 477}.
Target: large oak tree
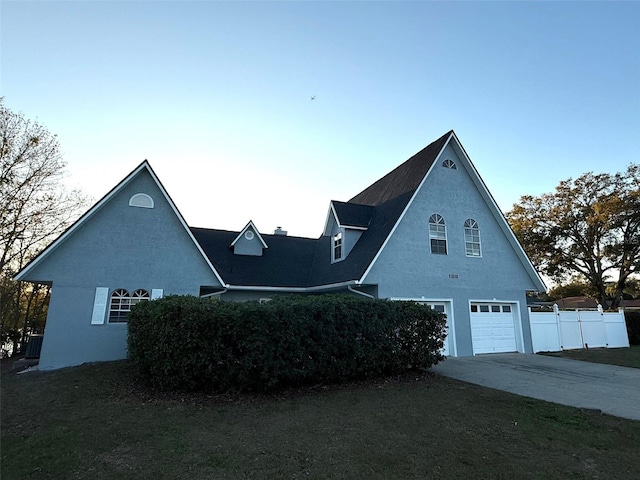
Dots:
{"x": 589, "y": 226}
{"x": 35, "y": 207}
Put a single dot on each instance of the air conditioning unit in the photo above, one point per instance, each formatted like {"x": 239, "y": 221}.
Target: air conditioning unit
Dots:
{"x": 34, "y": 346}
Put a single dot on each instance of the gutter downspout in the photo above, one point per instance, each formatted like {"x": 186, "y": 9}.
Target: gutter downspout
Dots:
{"x": 210, "y": 295}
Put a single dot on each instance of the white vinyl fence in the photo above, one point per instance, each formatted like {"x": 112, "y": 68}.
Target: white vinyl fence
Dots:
{"x": 573, "y": 329}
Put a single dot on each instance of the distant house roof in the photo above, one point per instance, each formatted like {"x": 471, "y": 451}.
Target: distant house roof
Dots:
{"x": 631, "y": 304}
{"x": 576, "y": 302}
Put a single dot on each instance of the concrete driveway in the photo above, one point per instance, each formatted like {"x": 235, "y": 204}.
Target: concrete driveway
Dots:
{"x": 611, "y": 389}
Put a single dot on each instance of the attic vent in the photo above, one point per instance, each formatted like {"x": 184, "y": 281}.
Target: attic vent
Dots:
{"x": 141, "y": 200}
{"x": 448, "y": 163}
{"x": 280, "y": 231}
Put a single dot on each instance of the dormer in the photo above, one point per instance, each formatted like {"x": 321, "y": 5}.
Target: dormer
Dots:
{"x": 346, "y": 222}
{"x": 249, "y": 242}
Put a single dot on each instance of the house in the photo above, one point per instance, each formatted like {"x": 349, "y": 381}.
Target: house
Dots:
{"x": 428, "y": 231}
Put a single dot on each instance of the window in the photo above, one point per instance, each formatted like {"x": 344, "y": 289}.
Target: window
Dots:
{"x": 437, "y": 234}
{"x": 141, "y": 200}
{"x": 337, "y": 246}
{"x": 472, "y": 238}
{"x": 121, "y": 303}
{"x": 448, "y": 163}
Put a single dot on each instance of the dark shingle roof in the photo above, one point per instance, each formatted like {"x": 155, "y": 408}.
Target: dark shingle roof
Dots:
{"x": 305, "y": 262}
{"x": 352, "y": 214}
{"x": 403, "y": 179}
{"x": 286, "y": 263}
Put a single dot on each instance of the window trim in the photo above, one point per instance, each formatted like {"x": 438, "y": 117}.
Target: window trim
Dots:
{"x": 438, "y": 235}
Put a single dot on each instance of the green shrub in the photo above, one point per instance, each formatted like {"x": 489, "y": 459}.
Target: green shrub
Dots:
{"x": 632, "y": 320}
{"x": 182, "y": 342}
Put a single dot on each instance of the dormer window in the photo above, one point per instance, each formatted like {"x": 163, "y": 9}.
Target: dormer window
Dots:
{"x": 337, "y": 247}
{"x": 448, "y": 163}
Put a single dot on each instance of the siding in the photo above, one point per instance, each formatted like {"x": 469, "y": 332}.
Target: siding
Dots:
{"x": 118, "y": 247}
{"x": 406, "y": 268}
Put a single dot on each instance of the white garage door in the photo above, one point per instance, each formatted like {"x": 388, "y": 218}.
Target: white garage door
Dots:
{"x": 493, "y": 328}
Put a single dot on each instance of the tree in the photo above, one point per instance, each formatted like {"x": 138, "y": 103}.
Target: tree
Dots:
{"x": 35, "y": 207}
{"x": 589, "y": 226}
{"x": 575, "y": 288}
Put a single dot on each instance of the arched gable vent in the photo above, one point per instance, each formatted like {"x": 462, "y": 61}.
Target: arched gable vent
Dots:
{"x": 448, "y": 163}
{"x": 141, "y": 200}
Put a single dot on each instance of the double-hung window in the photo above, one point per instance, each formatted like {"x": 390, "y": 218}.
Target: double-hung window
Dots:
{"x": 472, "y": 238}
{"x": 438, "y": 234}
{"x": 337, "y": 247}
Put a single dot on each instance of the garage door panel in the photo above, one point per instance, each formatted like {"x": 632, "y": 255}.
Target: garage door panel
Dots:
{"x": 493, "y": 328}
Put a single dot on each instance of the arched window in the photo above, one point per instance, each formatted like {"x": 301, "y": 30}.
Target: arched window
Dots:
{"x": 121, "y": 303}
{"x": 448, "y": 163}
{"x": 438, "y": 234}
{"x": 472, "y": 238}
{"x": 141, "y": 200}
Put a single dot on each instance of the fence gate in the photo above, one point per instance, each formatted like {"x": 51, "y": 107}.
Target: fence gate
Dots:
{"x": 573, "y": 329}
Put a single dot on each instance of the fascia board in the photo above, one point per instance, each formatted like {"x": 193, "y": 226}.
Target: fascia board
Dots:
{"x": 253, "y": 227}
{"x": 406, "y": 209}
{"x": 498, "y": 215}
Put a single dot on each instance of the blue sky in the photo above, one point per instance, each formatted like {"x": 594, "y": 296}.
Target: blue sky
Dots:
{"x": 217, "y": 95}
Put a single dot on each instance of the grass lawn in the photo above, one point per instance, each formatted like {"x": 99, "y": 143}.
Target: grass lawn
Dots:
{"x": 95, "y": 422}
{"x": 626, "y": 357}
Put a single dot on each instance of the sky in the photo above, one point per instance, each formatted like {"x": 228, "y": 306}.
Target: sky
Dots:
{"x": 217, "y": 96}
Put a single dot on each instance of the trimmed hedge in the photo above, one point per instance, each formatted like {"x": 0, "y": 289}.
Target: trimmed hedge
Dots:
{"x": 183, "y": 342}
{"x": 632, "y": 320}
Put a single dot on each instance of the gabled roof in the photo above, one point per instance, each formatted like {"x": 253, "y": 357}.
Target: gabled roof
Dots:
{"x": 248, "y": 226}
{"x": 144, "y": 166}
{"x": 303, "y": 263}
{"x": 298, "y": 262}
